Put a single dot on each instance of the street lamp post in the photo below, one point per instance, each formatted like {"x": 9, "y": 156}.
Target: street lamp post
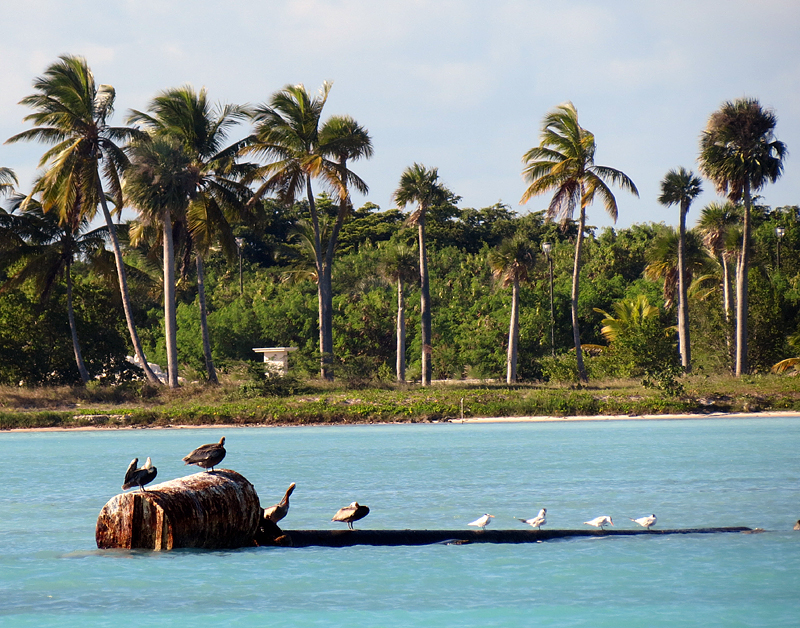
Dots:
{"x": 779, "y": 231}
{"x": 239, "y": 245}
{"x": 547, "y": 247}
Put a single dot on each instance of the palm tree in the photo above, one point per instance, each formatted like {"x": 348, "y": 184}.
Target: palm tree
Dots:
{"x": 399, "y": 264}
{"x": 219, "y": 197}
{"x": 511, "y": 262}
{"x": 627, "y": 313}
{"x": 300, "y": 148}
{"x": 717, "y": 227}
{"x": 739, "y": 153}
{"x": 159, "y": 183}
{"x": 71, "y": 112}
{"x": 564, "y": 163}
{"x": 662, "y": 262}
{"x": 420, "y": 185}
{"x": 46, "y": 248}
{"x": 7, "y": 180}
{"x": 681, "y": 187}
{"x": 790, "y": 363}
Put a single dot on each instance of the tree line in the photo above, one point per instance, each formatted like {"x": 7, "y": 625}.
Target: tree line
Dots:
{"x": 203, "y": 201}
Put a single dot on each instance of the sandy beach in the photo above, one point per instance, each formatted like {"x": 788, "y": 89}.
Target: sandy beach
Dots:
{"x": 502, "y": 419}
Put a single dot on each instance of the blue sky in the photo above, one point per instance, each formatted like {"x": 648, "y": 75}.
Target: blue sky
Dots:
{"x": 460, "y": 85}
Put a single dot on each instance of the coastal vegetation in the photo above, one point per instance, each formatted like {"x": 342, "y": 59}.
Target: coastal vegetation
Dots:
{"x": 256, "y": 243}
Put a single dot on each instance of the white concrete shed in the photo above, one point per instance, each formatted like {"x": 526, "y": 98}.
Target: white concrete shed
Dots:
{"x": 276, "y": 358}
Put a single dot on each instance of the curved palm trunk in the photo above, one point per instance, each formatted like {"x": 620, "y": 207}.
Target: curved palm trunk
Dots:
{"x": 513, "y": 335}
{"x": 742, "y": 287}
{"x": 401, "y": 332}
{"x": 211, "y": 372}
{"x": 76, "y": 347}
{"x": 683, "y": 304}
{"x": 576, "y": 273}
{"x": 123, "y": 288}
{"x": 170, "y": 321}
{"x": 425, "y": 304}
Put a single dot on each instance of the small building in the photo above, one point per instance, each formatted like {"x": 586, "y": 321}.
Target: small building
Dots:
{"x": 276, "y": 359}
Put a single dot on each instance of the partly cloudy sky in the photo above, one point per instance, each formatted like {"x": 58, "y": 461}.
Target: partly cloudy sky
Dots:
{"x": 461, "y": 85}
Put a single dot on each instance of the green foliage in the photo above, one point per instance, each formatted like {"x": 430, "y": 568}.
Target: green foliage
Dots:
{"x": 262, "y": 383}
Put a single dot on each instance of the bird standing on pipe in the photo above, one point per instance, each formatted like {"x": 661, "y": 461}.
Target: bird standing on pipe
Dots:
{"x": 139, "y": 477}
{"x": 538, "y": 521}
{"x": 207, "y": 456}
{"x": 279, "y": 511}
{"x": 351, "y": 513}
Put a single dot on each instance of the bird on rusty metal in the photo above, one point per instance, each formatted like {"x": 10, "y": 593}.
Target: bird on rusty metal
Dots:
{"x": 600, "y": 522}
{"x": 481, "y": 522}
{"x": 645, "y": 522}
{"x": 351, "y": 513}
{"x": 538, "y": 521}
{"x": 278, "y": 511}
{"x": 139, "y": 477}
{"x": 207, "y": 456}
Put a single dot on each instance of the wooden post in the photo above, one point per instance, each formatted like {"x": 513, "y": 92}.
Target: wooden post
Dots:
{"x": 218, "y": 510}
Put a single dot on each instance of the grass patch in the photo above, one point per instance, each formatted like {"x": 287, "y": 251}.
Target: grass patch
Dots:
{"x": 318, "y": 403}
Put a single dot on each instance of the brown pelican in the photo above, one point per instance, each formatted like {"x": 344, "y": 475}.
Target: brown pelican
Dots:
{"x": 207, "y": 456}
{"x": 538, "y": 521}
{"x": 481, "y": 522}
{"x": 645, "y": 522}
{"x": 139, "y": 477}
{"x": 351, "y": 513}
{"x": 600, "y": 522}
{"x": 278, "y": 511}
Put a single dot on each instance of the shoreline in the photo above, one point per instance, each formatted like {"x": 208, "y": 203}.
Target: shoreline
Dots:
{"x": 473, "y": 420}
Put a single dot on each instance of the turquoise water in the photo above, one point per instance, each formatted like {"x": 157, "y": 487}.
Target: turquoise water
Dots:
{"x": 690, "y": 473}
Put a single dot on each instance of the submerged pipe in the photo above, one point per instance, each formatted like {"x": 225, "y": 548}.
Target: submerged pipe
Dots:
{"x": 348, "y": 538}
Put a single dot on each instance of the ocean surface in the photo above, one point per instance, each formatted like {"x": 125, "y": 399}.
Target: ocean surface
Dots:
{"x": 716, "y": 472}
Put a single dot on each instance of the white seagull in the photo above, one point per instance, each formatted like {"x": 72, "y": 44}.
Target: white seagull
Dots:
{"x": 481, "y": 522}
{"x": 645, "y": 522}
{"x": 538, "y": 521}
{"x": 600, "y": 522}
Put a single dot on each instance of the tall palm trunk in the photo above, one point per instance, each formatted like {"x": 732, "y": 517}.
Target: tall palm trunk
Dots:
{"x": 742, "y": 287}
{"x": 123, "y": 288}
{"x": 324, "y": 293}
{"x": 211, "y": 372}
{"x": 76, "y": 347}
{"x": 513, "y": 335}
{"x": 576, "y": 273}
{"x": 170, "y": 321}
{"x": 425, "y": 304}
{"x": 727, "y": 305}
{"x": 683, "y": 304}
{"x": 401, "y": 332}
{"x": 727, "y": 293}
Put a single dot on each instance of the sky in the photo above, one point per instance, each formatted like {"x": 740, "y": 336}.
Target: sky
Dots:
{"x": 461, "y": 85}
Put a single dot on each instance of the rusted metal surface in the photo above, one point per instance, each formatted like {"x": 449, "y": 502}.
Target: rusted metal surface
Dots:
{"x": 218, "y": 510}
{"x": 347, "y": 538}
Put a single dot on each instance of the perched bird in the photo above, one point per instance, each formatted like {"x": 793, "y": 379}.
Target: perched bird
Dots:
{"x": 481, "y": 522}
{"x": 278, "y": 511}
{"x": 207, "y": 456}
{"x": 538, "y": 521}
{"x": 645, "y": 522}
{"x": 139, "y": 477}
{"x": 600, "y": 522}
{"x": 351, "y": 513}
